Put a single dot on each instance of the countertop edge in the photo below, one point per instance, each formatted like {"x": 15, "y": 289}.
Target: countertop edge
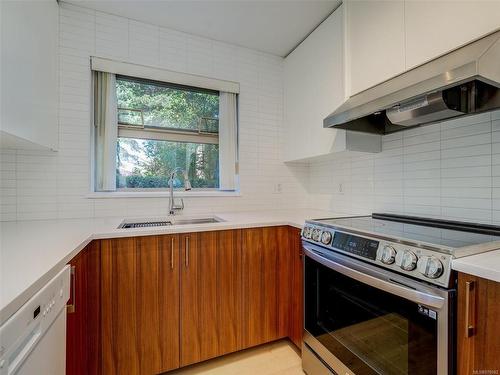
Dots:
{"x": 14, "y": 305}
{"x": 479, "y": 265}
{"x": 11, "y": 307}
{"x": 485, "y": 265}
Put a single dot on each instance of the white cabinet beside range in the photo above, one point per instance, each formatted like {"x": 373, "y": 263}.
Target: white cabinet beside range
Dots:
{"x": 314, "y": 86}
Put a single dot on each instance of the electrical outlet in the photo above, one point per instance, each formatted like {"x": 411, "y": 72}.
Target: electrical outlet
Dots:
{"x": 278, "y": 188}
{"x": 341, "y": 188}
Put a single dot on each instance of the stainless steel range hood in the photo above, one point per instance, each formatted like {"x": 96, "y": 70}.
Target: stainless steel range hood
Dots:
{"x": 462, "y": 82}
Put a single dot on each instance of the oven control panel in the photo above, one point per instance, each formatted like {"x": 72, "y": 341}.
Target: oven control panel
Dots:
{"x": 356, "y": 245}
{"x": 418, "y": 262}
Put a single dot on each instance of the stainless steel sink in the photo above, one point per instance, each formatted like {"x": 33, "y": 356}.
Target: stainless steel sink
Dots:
{"x": 130, "y": 224}
{"x": 143, "y": 224}
{"x": 203, "y": 220}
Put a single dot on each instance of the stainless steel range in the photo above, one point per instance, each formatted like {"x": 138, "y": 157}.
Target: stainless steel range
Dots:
{"x": 379, "y": 293}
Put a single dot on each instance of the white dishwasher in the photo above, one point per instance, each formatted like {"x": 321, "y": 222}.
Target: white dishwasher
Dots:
{"x": 33, "y": 340}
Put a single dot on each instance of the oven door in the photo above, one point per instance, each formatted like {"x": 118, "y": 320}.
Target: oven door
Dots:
{"x": 362, "y": 319}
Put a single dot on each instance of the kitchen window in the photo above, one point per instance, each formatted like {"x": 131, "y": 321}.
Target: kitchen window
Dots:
{"x": 145, "y": 129}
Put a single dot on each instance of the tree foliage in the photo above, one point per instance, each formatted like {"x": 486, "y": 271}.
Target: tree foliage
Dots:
{"x": 151, "y": 160}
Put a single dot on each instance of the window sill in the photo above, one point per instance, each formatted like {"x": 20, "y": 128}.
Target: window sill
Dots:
{"x": 161, "y": 194}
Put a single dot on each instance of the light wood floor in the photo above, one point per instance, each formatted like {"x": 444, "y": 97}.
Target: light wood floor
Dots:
{"x": 278, "y": 358}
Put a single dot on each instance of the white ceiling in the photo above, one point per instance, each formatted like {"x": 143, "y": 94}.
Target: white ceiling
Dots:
{"x": 274, "y": 26}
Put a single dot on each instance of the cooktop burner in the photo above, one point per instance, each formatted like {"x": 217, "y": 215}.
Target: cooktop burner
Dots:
{"x": 417, "y": 231}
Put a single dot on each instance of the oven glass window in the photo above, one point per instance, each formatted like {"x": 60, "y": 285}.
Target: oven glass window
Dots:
{"x": 369, "y": 330}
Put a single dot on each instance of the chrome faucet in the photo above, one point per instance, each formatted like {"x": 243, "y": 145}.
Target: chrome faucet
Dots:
{"x": 172, "y": 206}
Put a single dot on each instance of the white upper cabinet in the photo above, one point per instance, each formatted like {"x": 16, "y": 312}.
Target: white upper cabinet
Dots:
{"x": 437, "y": 27}
{"x": 29, "y": 74}
{"x": 313, "y": 88}
{"x": 375, "y": 42}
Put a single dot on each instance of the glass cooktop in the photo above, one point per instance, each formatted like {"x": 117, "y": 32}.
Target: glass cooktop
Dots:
{"x": 451, "y": 235}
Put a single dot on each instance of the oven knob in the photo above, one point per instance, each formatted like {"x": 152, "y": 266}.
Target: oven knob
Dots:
{"x": 430, "y": 267}
{"x": 387, "y": 254}
{"x": 307, "y": 232}
{"x": 316, "y": 234}
{"x": 407, "y": 260}
{"x": 326, "y": 238}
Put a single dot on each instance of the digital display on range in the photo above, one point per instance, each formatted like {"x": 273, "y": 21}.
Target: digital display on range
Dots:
{"x": 356, "y": 245}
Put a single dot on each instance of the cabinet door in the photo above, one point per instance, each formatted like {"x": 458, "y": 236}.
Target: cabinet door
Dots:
{"x": 29, "y": 57}
{"x": 313, "y": 88}
{"x": 261, "y": 249}
{"x": 211, "y": 295}
{"x": 437, "y": 27}
{"x": 198, "y": 297}
{"x": 82, "y": 334}
{"x": 229, "y": 291}
{"x": 375, "y": 42}
{"x": 478, "y": 325}
{"x": 139, "y": 287}
{"x": 297, "y": 288}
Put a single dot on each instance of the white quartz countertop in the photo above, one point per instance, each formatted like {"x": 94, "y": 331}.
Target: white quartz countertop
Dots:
{"x": 32, "y": 252}
{"x": 485, "y": 265}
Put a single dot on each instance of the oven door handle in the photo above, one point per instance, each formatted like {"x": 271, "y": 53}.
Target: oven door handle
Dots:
{"x": 385, "y": 285}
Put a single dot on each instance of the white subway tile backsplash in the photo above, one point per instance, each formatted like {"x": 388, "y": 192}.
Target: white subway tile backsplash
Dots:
{"x": 449, "y": 170}
{"x": 456, "y": 152}
{"x": 38, "y": 185}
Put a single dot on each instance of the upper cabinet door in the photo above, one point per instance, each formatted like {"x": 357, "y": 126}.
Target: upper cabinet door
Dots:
{"x": 313, "y": 88}
{"x": 375, "y": 42}
{"x": 437, "y": 27}
{"x": 29, "y": 70}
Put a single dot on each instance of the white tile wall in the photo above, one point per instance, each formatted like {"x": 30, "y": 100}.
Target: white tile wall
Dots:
{"x": 37, "y": 185}
{"x": 449, "y": 170}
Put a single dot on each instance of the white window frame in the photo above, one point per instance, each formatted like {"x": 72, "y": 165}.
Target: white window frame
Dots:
{"x": 157, "y": 133}
{"x": 153, "y": 74}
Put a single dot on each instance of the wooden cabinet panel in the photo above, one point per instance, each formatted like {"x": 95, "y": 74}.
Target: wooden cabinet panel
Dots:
{"x": 297, "y": 289}
{"x": 134, "y": 273}
{"x": 229, "y": 291}
{"x": 478, "y": 351}
{"x": 198, "y": 335}
{"x": 83, "y": 319}
{"x": 118, "y": 307}
{"x": 211, "y": 317}
{"x": 264, "y": 320}
{"x": 284, "y": 274}
{"x": 151, "y": 304}
{"x": 169, "y": 294}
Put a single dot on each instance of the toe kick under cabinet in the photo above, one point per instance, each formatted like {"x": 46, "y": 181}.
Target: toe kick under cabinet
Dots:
{"x": 148, "y": 305}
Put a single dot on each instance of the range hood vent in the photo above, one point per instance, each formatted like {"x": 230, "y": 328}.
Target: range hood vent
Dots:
{"x": 463, "y": 82}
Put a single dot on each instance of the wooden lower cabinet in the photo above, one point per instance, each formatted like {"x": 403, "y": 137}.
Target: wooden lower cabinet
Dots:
{"x": 266, "y": 284}
{"x": 140, "y": 305}
{"x": 229, "y": 292}
{"x": 297, "y": 289}
{"x": 210, "y": 295}
{"x": 83, "y": 313}
{"x": 156, "y": 303}
{"x": 478, "y": 326}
